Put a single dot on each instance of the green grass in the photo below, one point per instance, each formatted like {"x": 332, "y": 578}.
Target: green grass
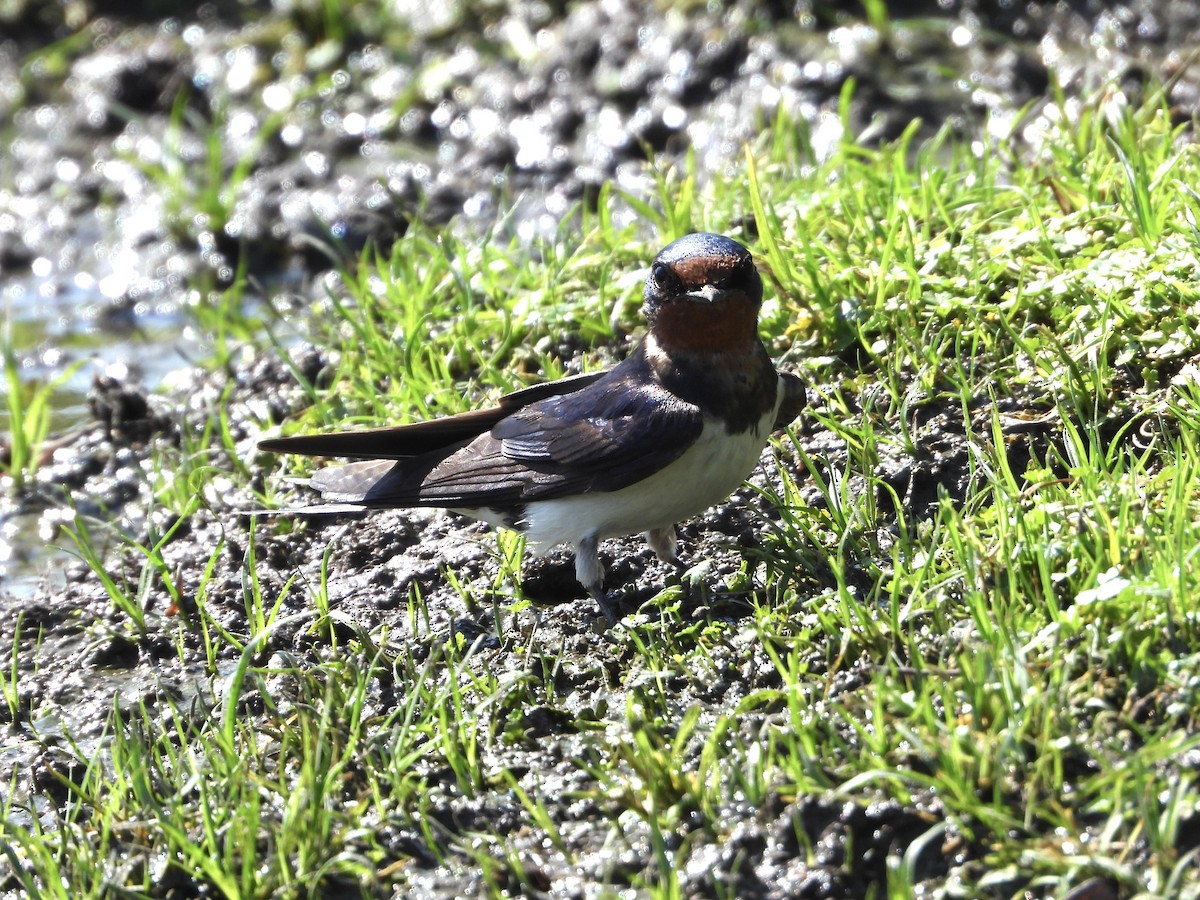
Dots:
{"x": 27, "y": 415}
{"x": 1013, "y": 662}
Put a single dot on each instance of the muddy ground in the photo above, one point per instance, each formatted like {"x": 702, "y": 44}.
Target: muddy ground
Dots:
{"x": 580, "y": 97}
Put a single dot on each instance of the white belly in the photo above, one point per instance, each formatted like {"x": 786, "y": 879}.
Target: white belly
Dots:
{"x": 707, "y": 472}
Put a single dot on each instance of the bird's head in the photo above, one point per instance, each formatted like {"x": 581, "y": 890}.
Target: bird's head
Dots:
{"x": 703, "y": 295}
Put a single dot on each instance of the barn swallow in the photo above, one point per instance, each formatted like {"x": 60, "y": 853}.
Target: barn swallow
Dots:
{"x": 668, "y": 432}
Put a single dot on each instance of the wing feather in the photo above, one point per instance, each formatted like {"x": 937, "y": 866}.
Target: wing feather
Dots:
{"x": 608, "y": 434}
{"x": 419, "y": 438}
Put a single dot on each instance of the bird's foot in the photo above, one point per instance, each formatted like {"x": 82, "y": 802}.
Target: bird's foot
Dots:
{"x": 695, "y": 578}
{"x": 607, "y": 607}
{"x": 590, "y": 572}
{"x": 694, "y": 582}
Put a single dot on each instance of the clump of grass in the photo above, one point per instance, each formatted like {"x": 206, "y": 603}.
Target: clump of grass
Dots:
{"x": 192, "y": 169}
{"x": 30, "y": 409}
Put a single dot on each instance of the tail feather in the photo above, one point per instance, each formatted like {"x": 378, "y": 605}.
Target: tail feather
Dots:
{"x": 419, "y": 438}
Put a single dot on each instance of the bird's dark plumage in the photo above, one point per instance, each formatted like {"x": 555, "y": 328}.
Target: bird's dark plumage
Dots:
{"x": 402, "y": 441}
{"x": 666, "y": 433}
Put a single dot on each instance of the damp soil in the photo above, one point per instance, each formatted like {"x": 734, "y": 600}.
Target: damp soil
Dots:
{"x": 508, "y": 123}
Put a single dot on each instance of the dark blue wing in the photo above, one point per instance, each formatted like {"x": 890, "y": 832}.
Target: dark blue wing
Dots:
{"x": 605, "y": 436}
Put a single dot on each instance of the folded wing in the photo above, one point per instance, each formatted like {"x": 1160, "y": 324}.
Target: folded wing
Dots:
{"x": 604, "y": 436}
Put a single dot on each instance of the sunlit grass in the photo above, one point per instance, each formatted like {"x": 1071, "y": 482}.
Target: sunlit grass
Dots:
{"x": 27, "y": 414}
{"x": 1011, "y": 662}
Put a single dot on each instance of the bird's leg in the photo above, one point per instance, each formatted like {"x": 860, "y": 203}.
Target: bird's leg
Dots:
{"x": 590, "y": 572}
{"x": 664, "y": 542}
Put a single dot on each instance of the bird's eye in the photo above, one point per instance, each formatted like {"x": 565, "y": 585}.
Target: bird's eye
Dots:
{"x": 664, "y": 276}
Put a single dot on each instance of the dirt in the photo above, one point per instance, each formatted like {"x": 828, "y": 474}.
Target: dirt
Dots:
{"x": 494, "y": 139}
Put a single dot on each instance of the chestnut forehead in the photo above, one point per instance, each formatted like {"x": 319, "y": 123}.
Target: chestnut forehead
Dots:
{"x": 707, "y": 269}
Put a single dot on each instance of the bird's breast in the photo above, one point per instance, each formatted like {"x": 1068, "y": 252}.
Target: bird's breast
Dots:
{"x": 706, "y": 473}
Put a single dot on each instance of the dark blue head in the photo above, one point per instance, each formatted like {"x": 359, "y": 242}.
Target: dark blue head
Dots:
{"x": 701, "y": 268}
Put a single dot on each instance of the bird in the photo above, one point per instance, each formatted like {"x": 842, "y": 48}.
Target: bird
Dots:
{"x": 669, "y": 431}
